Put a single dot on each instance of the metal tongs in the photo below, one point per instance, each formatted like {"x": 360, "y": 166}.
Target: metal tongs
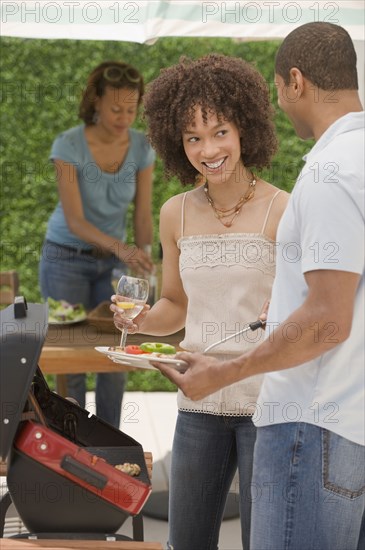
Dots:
{"x": 252, "y": 326}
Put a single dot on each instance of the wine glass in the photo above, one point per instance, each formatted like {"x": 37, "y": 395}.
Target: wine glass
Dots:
{"x": 132, "y": 296}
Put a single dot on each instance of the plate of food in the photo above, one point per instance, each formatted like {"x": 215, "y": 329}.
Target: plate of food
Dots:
{"x": 142, "y": 356}
{"x": 64, "y": 313}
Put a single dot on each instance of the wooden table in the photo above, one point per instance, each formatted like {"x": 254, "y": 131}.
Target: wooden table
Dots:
{"x": 26, "y": 544}
{"x": 69, "y": 349}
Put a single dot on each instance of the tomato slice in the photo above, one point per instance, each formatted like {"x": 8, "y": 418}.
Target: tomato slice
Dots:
{"x": 134, "y": 350}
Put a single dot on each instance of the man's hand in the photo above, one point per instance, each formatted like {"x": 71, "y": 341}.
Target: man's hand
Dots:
{"x": 204, "y": 374}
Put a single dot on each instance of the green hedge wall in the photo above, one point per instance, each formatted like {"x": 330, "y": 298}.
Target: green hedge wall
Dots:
{"x": 40, "y": 91}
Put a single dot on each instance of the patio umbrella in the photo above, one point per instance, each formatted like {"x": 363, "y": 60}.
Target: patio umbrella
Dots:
{"x": 144, "y": 21}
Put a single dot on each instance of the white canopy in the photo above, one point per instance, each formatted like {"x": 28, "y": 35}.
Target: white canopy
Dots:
{"x": 144, "y": 21}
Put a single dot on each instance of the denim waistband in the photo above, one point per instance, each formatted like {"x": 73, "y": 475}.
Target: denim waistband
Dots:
{"x": 94, "y": 252}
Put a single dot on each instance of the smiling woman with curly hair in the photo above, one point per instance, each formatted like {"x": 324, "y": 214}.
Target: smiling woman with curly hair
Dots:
{"x": 211, "y": 120}
{"x": 228, "y": 86}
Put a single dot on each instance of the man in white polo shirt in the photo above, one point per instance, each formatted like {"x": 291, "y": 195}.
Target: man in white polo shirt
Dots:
{"x": 308, "y": 486}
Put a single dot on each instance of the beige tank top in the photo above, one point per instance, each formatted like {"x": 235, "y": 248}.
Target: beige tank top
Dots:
{"x": 227, "y": 279}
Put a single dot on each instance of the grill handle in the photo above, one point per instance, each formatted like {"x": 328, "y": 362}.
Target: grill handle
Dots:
{"x": 20, "y": 307}
{"x": 86, "y": 474}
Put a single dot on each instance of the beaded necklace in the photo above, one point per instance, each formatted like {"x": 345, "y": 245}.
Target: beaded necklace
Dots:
{"x": 221, "y": 213}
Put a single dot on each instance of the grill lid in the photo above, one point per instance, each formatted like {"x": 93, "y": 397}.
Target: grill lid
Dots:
{"x": 23, "y": 328}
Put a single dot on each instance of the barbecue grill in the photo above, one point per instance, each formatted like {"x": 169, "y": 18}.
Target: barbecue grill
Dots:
{"x": 61, "y": 473}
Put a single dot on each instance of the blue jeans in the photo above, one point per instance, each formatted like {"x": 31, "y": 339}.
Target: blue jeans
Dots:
{"x": 206, "y": 452}
{"x": 308, "y": 489}
{"x": 84, "y": 279}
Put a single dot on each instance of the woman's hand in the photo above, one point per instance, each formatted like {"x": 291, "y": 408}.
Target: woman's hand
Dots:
{"x": 120, "y": 320}
{"x": 264, "y": 311}
{"x": 136, "y": 259}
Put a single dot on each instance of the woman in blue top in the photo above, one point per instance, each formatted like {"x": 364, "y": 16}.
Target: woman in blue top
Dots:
{"x": 102, "y": 166}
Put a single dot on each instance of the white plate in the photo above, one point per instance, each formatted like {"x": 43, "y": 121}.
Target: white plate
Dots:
{"x": 78, "y": 319}
{"x": 140, "y": 361}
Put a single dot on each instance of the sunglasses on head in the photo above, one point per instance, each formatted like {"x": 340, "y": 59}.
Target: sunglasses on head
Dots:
{"x": 115, "y": 74}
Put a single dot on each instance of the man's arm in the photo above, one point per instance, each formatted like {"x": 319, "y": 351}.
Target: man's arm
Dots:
{"x": 322, "y": 322}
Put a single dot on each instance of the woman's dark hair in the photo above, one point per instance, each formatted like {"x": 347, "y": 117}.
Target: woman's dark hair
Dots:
{"x": 323, "y": 52}
{"x": 115, "y": 74}
{"x": 227, "y": 86}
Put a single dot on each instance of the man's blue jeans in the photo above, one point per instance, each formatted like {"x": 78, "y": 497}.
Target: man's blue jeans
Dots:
{"x": 308, "y": 489}
{"x": 87, "y": 280}
{"x": 207, "y": 450}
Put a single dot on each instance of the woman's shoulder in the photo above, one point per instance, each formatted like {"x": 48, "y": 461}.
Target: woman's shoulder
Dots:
{"x": 276, "y": 201}
{"x": 176, "y": 201}
{"x": 172, "y": 211}
{"x": 138, "y": 136}
{"x": 140, "y": 148}
{"x": 173, "y": 204}
{"x": 170, "y": 217}
{"x": 71, "y": 133}
{"x": 136, "y": 132}
{"x": 278, "y": 197}
{"x": 68, "y": 145}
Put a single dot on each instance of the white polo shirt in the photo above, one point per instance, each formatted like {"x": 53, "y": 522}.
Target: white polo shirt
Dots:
{"x": 322, "y": 228}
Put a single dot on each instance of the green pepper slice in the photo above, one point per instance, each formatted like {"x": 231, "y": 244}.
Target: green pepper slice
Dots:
{"x": 158, "y": 347}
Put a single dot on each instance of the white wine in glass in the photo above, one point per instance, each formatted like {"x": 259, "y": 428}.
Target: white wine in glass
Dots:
{"x": 132, "y": 296}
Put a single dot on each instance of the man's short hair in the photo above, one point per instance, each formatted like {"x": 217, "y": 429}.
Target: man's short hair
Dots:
{"x": 323, "y": 52}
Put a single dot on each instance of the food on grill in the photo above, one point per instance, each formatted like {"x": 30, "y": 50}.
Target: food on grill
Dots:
{"x": 128, "y": 468}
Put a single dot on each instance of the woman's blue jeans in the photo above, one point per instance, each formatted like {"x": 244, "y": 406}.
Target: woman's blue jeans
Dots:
{"x": 84, "y": 279}
{"x": 308, "y": 489}
{"x": 207, "y": 449}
